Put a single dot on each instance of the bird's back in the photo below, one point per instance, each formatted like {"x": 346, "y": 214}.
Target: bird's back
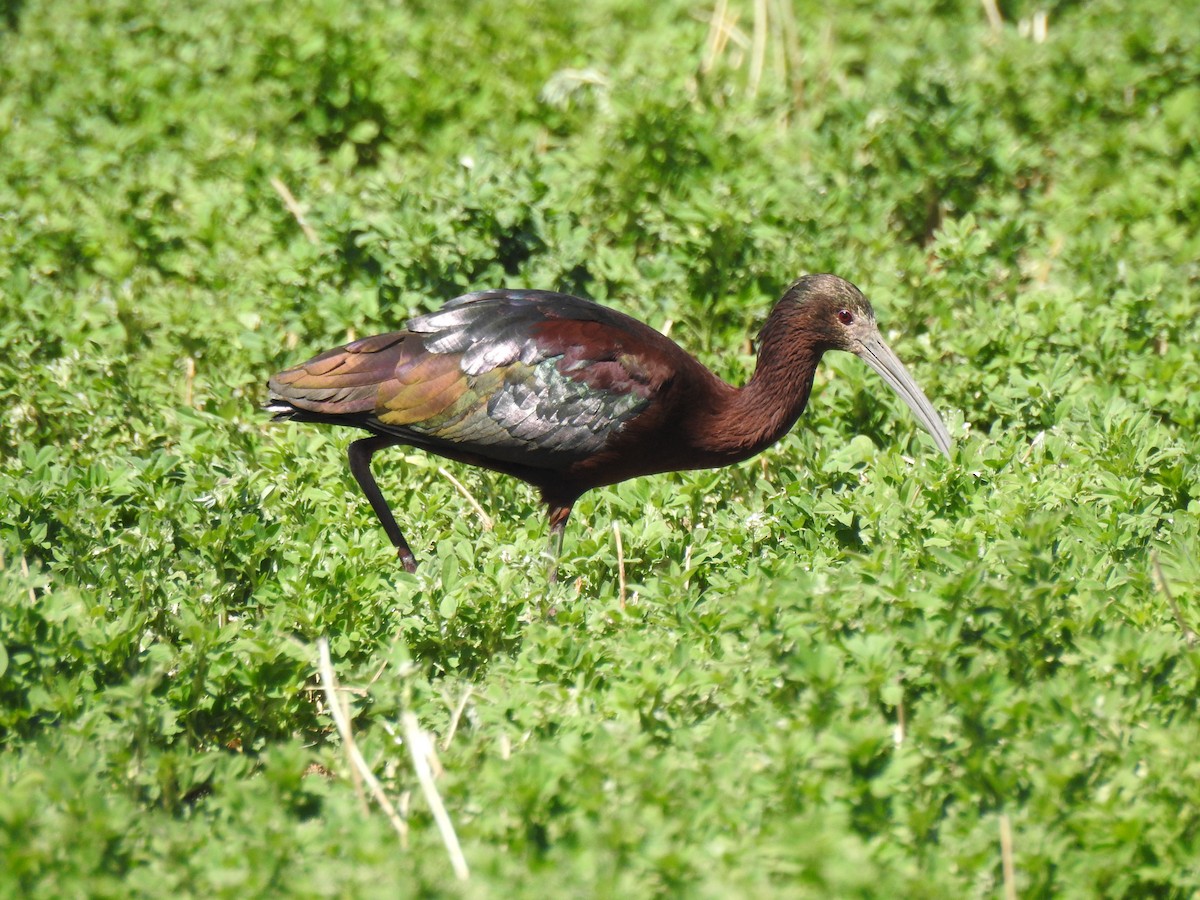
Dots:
{"x": 520, "y": 381}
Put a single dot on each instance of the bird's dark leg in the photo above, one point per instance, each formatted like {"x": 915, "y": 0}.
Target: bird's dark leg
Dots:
{"x": 360, "y": 454}
{"x": 559, "y": 514}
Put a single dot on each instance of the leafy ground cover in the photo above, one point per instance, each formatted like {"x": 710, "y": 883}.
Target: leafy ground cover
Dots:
{"x": 847, "y": 668}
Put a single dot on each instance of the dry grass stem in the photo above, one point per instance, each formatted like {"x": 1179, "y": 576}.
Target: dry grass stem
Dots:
{"x": 773, "y": 35}
{"x": 189, "y": 378}
{"x": 993, "y": 14}
{"x": 293, "y": 207}
{"x": 1039, "y": 27}
{"x": 790, "y": 51}
{"x": 718, "y": 35}
{"x": 378, "y": 673}
{"x": 1038, "y": 440}
{"x": 758, "y": 48}
{"x": 620, "y": 564}
{"x": 1006, "y": 858}
{"x": 484, "y": 519}
{"x": 455, "y": 716}
{"x": 353, "y": 754}
{"x": 421, "y": 749}
{"x": 335, "y": 695}
{"x": 25, "y": 574}
{"x": 1160, "y": 576}
{"x": 404, "y": 804}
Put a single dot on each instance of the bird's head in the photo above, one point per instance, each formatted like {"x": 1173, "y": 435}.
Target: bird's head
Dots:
{"x": 829, "y": 313}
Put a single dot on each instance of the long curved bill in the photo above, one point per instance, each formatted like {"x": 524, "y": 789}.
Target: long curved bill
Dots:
{"x": 879, "y": 356}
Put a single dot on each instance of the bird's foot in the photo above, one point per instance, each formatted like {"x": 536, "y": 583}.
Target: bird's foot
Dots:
{"x": 407, "y": 560}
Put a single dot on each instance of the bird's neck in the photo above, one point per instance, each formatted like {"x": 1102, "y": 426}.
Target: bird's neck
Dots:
{"x": 744, "y": 421}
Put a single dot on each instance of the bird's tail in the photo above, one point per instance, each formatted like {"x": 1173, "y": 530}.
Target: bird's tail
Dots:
{"x": 281, "y": 410}
{"x": 338, "y": 385}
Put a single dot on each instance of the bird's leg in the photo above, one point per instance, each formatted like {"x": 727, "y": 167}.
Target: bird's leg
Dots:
{"x": 360, "y": 454}
{"x": 559, "y": 514}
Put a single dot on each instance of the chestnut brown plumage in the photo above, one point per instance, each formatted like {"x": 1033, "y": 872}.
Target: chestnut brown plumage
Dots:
{"x": 568, "y": 395}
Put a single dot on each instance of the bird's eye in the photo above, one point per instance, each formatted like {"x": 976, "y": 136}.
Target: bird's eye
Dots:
{"x": 845, "y": 316}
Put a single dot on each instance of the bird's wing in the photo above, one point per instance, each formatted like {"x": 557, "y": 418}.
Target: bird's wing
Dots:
{"x": 527, "y": 377}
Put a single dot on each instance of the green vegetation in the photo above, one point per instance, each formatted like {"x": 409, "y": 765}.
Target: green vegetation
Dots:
{"x": 841, "y": 669}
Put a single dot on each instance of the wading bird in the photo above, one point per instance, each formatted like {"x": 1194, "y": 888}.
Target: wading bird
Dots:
{"x": 568, "y": 395}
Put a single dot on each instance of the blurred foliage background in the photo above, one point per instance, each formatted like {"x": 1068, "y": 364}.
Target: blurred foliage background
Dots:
{"x": 846, "y": 668}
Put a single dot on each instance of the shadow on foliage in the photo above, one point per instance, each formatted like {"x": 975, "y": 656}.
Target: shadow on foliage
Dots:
{"x": 10, "y": 13}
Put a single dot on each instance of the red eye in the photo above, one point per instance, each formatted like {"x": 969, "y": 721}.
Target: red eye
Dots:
{"x": 845, "y": 316}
